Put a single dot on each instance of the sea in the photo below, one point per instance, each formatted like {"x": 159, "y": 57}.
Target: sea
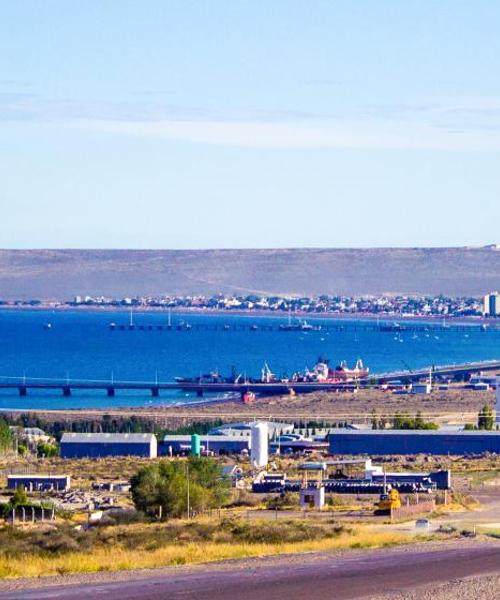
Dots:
{"x": 80, "y": 345}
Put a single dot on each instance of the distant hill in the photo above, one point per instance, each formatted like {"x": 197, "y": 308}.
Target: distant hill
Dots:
{"x": 62, "y": 274}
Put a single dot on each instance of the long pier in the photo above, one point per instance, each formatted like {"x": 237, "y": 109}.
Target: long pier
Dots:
{"x": 413, "y": 328}
{"x": 67, "y": 386}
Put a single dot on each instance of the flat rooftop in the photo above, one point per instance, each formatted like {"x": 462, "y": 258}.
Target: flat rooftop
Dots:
{"x": 422, "y": 432}
{"x": 107, "y": 438}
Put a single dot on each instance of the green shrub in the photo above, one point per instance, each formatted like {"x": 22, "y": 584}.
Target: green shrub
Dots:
{"x": 167, "y": 487}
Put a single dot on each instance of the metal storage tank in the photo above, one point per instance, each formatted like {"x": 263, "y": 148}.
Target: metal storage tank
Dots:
{"x": 195, "y": 445}
{"x": 259, "y": 444}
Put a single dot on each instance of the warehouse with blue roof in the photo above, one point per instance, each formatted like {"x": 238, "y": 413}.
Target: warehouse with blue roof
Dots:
{"x": 403, "y": 441}
{"x": 98, "y": 445}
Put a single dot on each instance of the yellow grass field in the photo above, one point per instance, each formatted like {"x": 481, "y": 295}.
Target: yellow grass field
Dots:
{"x": 118, "y": 558}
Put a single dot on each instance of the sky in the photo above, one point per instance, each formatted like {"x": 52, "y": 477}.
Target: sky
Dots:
{"x": 242, "y": 124}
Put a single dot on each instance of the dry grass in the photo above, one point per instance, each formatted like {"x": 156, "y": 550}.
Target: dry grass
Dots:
{"x": 118, "y": 557}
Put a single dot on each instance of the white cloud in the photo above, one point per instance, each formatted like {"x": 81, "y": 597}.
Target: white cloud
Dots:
{"x": 363, "y": 134}
{"x": 464, "y": 124}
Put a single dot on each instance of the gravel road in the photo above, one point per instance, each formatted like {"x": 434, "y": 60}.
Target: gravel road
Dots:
{"x": 315, "y": 576}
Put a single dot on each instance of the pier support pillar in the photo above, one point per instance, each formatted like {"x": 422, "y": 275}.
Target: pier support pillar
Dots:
{"x": 23, "y": 390}
{"x": 66, "y": 391}
{"x": 155, "y": 392}
{"x": 111, "y": 391}
{"x": 199, "y": 393}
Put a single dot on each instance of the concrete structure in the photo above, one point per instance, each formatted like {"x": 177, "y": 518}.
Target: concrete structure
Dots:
{"x": 399, "y": 441}
{"x": 421, "y": 388}
{"x": 259, "y": 450}
{"x": 313, "y": 497}
{"x": 97, "y": 445}
{"x": 173, "y": 444}
{"x": 33, "y": 483}
{"x": 234, "y": 474}
{"x": 491, "y": 306}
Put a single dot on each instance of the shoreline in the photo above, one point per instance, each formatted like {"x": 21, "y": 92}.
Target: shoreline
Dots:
{"x": 450, "y": 406}
{"x": 217, "y": 312}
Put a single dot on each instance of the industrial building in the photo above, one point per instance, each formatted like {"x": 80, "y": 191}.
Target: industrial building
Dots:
{"x": 33, "y": 483}
{"x": 399, "y": 441}
{"x": 216, "y": 444}
{"x": 97, "y": 445}
{"x": 352, "y": 477}
{"x": 274, "y": 428}
{"x": 298, "y": 446}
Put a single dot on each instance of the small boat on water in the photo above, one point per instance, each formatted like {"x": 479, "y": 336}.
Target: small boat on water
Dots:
{"x": 303, "y": 326}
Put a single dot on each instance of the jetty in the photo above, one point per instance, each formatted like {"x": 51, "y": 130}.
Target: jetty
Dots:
{"x": 66, "y": 386}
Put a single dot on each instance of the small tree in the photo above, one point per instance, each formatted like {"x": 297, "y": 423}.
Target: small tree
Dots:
{"x": 22, "y": 449}
{"x": 5, "y": 436}
{"x": 20, "y": 497}
{"x": 485, "y": 418}
{"x": 46, "y": 450}
{"x": 419, "y": 421}
{"x": 165, "y": 487}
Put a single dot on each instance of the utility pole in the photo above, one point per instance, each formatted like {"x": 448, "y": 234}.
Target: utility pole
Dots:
{"x": 188, "y": 498}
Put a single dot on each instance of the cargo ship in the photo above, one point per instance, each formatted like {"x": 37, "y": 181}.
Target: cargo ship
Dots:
{"x": 320, "y": 373}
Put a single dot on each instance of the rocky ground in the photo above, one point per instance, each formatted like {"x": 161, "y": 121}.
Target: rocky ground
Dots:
{"x": 472, "y": 588}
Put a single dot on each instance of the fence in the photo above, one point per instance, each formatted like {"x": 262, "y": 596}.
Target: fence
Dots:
{"x": 26, "y": 514}
{"x": 410, "y": 510}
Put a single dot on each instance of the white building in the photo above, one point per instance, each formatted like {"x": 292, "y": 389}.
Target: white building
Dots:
{"x": 491, "y": 305}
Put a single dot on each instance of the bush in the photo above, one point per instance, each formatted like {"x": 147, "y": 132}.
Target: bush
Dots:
{"x": 5, "y": 436}
{"x": 163, "y": 489}
{"x": 283, "y": 501}
{"x": 20, "y": 497}
{"x": 244, "y": 498}
{"x": 22, "y": 449}
{"x": 485, "y": 419}
{"x": 46, "y": 450}
{"x": 403, "y": 421}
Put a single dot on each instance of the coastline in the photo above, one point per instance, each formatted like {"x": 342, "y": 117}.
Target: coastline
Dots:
{"x": 217, "y": 312}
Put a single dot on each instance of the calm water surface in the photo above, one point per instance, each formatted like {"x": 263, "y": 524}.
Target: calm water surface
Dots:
{"x": 80, "y": 345}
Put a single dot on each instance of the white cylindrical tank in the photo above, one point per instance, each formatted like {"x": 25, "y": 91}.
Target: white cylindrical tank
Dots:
{"x": 259, "y": 444}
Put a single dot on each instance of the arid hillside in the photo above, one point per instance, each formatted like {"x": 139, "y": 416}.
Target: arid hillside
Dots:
{"x": 61, "y": 274}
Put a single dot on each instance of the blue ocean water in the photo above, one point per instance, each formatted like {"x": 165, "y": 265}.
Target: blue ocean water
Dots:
{"x": 80, "y": 345}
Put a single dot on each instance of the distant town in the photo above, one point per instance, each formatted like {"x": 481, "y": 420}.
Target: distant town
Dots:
{"x": 383, "y": 306}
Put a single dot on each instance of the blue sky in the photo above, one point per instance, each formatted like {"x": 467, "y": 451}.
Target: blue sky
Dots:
{"x": 180, "y": 124}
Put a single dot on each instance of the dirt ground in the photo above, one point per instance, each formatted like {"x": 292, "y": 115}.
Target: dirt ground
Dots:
{"x": 473, "y": 588}
{"x": 456, "y": 405}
